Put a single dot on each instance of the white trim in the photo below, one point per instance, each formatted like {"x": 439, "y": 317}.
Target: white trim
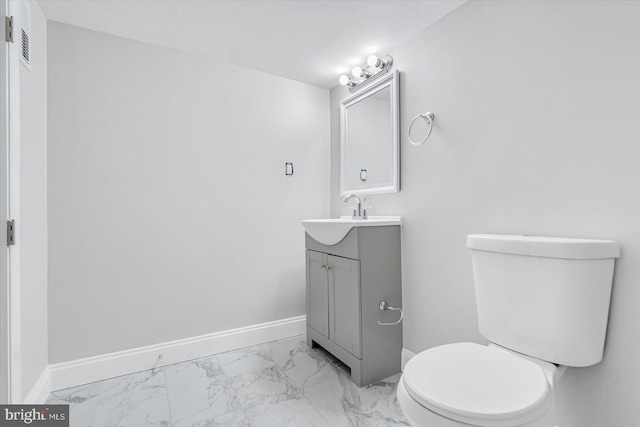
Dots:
{"x": 392, "y": 81}
{"x": 15, "y": 316}
{"x": 41, "y": 389}
{"x": 10, "y": 337}
{"x": 97, "y": 368}
{"x": 5, "y": 367}
{"x": 406, "y": 356}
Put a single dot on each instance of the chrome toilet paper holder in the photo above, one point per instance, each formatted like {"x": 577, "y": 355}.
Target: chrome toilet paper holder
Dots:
{"x": 386, "y": 307}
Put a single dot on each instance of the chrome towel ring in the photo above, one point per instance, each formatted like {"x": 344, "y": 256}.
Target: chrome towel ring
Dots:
{"x": 428, "y": 118}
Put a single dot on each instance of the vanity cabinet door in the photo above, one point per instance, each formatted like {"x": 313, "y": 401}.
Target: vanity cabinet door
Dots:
{"x": 317, "y": 292}
{"x": 344, "y": 303}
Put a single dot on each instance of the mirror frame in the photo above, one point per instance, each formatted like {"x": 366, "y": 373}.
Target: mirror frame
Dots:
{"x": 392, "y": 81}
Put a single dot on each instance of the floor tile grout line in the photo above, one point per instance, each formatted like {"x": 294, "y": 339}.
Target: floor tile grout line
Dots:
{"x": 320, "y": 411}
{"x": 166, "y": 388}
{"x": 95, "y": 410}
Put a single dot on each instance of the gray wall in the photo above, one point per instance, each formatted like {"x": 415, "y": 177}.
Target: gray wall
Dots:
{"x": 33, "y": 204}
{"x": 169, "y": 212}
{"x": 536, "y": 132}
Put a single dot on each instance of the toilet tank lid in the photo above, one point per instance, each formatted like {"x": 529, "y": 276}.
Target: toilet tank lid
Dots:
{"x": 548, "y": 247}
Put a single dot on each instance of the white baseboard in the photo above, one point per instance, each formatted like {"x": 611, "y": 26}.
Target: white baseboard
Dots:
{"x": 97, "y": 368}
{"x": 406, "y": 356}
{"x": 41, "y": 389}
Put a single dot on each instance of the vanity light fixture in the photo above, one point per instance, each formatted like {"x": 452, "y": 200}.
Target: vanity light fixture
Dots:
{"x": 376, "y": 67}
{"x": 381, "y": 63}
{"x": 346, "y": 81}
{"x": 360, "y": 73}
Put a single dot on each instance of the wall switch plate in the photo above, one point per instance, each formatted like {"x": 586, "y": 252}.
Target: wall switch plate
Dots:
{"x": 288, "y": 168}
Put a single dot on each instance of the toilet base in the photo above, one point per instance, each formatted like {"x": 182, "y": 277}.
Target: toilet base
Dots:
{"x": 419, "y": 416}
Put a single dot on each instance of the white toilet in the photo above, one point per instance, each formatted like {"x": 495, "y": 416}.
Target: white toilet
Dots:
{"x": 543, "y": 303}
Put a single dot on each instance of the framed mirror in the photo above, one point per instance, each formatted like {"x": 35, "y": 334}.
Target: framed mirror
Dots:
{"x": 369, "y": 139}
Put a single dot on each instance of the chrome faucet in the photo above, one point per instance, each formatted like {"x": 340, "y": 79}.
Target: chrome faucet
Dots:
{"x": 357, "y": 211}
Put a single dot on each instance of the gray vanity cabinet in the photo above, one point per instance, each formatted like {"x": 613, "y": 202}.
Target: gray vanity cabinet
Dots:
{"x": 345, "y": 284}
{"x": 333, "y": 288}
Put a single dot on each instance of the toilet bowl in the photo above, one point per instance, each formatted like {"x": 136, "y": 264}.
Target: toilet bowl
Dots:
{"x": 543, "y": 303}
{"x": 466, "y": 384}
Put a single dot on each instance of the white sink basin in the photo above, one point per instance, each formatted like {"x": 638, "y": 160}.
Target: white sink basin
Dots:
{"x": 332, "y": 231}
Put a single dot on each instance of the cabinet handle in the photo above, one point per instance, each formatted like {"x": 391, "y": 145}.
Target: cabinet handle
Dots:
{"x": 329, "y": 267}
{"x": 323, "y": 266}
{"x": 386, "y": 307}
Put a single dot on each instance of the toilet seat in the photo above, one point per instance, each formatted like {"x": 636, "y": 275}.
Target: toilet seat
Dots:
{"x": 477, "y": 385}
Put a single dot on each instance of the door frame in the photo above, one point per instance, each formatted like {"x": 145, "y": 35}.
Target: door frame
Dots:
{"x": 10, "y": 336}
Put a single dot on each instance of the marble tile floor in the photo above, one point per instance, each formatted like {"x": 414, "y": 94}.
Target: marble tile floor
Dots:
{"x": 281, "y": 383}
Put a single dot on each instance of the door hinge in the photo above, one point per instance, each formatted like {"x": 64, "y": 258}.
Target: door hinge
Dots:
{"x": 11, "y": 232}
{"x": 9, "y": 28}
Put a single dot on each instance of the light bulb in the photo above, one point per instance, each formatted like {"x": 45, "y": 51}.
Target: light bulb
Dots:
{"x": 344, "y": 80}
{"x": 357, "y": 71}
{"x": 372, "y": 61}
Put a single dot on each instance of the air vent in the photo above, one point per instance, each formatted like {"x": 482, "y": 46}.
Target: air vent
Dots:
{"x": 24, "y": 24}
{"x": 25, "y": 47}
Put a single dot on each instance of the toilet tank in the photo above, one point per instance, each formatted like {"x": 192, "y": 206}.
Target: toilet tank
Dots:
{"x": 544, "y": 297}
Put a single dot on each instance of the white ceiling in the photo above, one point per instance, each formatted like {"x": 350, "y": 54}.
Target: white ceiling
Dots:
{"x": 305, "y": 40}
